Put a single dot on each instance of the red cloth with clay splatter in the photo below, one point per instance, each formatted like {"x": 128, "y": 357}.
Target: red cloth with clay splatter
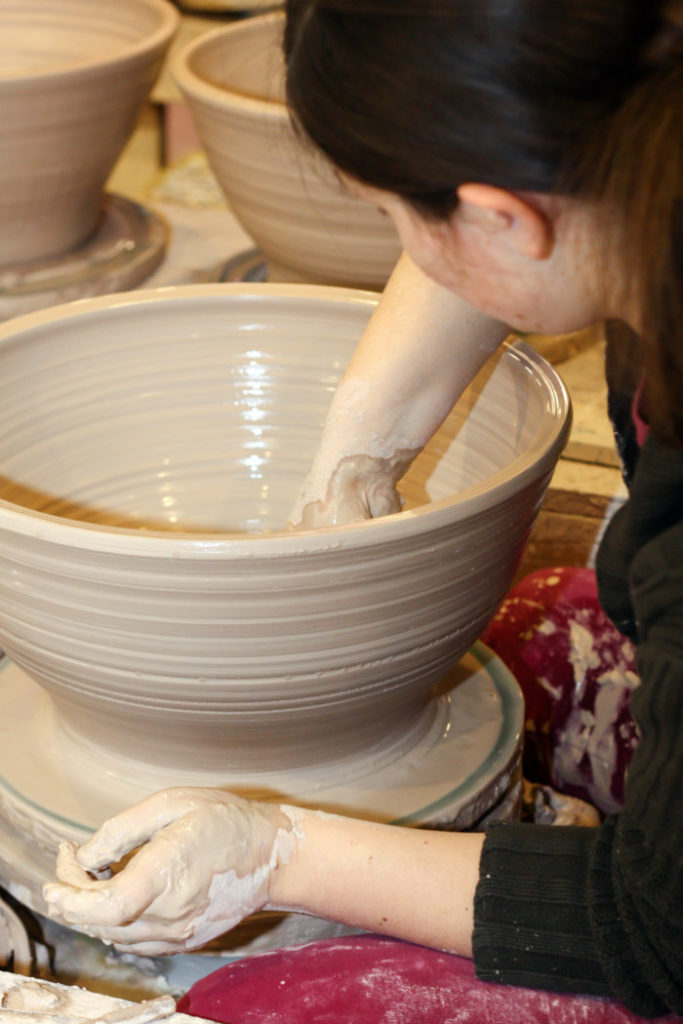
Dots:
{"x": 577, "y": 673}
{"x": 365, "y": 979}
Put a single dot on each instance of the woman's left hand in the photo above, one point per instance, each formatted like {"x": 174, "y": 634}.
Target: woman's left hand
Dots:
{"x": 203, "y": 861}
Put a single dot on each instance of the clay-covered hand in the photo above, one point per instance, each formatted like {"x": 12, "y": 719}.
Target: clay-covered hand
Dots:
{"x": 202, "y": 862}
{"x": 361, "y": 487}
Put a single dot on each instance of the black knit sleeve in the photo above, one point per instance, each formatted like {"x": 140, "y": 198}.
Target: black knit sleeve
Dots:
{"x": 531, "y": 910}
{"x": 636, "y": 880}
{"x": 601, "y": 910}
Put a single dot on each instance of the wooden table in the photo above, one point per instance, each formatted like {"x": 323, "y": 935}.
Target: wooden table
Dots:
{"x": 587, "y": 486}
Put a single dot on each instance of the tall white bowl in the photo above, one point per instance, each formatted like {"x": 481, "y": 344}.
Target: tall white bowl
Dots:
{"x": 151, "y": 445}
{"x": 285, "y": 196}
{"x": 73, "y": 77}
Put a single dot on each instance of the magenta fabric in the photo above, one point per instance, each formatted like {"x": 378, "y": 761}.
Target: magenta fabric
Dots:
{"x": 367, "y": 979}
{"x": 577, "y": 673}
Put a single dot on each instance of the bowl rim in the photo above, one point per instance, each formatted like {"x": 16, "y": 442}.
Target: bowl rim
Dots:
{"x": 195, "y": 88}
{"x": 537, "y": 462}
{"x": 158, "y": 39}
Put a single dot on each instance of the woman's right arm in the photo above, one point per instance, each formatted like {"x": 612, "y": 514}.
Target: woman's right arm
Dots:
{"x": 420, "y": 350}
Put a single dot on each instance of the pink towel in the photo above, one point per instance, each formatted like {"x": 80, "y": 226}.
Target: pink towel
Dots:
{"x": 366, "y": 979}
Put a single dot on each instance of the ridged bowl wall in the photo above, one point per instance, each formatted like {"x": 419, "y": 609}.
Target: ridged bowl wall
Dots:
{"x": 73, "y": 77}
{"x": 287, "y": 198}
{"x": 151, "y": 446}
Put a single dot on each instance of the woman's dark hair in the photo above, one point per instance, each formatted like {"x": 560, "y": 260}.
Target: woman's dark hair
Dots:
{"x": 581, "y": 97}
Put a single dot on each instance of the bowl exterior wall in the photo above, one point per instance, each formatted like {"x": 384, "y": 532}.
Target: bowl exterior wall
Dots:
{"x": 286, "y": 197}
{"x": 60, "y": 136}
{"x": 255, "y": 664}
{"x": 291, "y": 204}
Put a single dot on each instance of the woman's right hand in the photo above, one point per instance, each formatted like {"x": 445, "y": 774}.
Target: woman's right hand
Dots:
{"x": 361, "y": 487}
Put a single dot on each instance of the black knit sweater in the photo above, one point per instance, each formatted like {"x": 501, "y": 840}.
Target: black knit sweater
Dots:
{"x": 600, "y": 911}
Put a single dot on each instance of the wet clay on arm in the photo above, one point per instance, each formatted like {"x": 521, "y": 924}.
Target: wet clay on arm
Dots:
{"x": 420, "y": 350}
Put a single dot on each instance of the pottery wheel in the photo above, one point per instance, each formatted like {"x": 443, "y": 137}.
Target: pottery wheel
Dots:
{"x": 15, "y": 945}
{"x": 247, "y": 266}
{"x": 127, "y": 245}
{"x": 51, "y": 789}
{"x": 251, "y": 265}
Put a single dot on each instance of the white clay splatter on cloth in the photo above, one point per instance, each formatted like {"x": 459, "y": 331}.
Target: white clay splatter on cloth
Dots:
{"x": 577, "y": 673}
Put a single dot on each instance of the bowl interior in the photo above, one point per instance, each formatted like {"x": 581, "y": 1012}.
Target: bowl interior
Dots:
{"x": 199, "y": 410}
{"x": 41, "y": 37}
{"x": 245, "y": 59}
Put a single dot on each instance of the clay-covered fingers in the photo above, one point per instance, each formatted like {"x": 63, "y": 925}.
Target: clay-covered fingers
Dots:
{"x": 69, "y": 871}
{"x": 137, "y": 937}
{"x": 144, "y": 937}
{"x": 112, "y": 902}
{"x": 133, "y": 827}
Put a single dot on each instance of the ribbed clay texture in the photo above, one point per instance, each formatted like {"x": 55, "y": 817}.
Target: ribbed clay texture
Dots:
{"x": 287, "y": 198}
{"x": 74, "y": 75}
{"x": 151, "y": 447}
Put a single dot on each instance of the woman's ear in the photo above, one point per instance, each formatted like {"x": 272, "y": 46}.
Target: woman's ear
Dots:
{"x": 516, "y": 221}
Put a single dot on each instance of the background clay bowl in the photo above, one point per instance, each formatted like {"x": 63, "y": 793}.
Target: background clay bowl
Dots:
{"x": 285, "y": 196}
{"x": 227, "y": 6}
{"x": 152, "y": 444}
{"x": 73, "y": 77}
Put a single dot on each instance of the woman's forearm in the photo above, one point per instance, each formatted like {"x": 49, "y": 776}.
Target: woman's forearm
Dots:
{"x": 203, "y": 859}
{"x": 413, "y": 884}
{"x": 420, "y": 350}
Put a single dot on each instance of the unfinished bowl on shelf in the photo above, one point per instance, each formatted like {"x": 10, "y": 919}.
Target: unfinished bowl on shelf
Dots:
{"x": 73, "y": 77}
{"x": 286, "y": 197}
{"x": 152, "y": 445}
{"x": 227, "y": 6}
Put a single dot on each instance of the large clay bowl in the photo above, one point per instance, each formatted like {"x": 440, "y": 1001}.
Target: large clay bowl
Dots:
{"x": 152, "y": 444}
{"x": 73, "y": 77}
{"x": 286, "y": 197}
